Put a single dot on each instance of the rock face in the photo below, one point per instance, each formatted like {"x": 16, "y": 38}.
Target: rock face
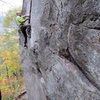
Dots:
{"x": 62, "y": 58}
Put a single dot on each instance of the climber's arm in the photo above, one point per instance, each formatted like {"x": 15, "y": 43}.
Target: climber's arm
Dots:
{"x": 26, "y": 16}
{"x": 22, "y": 21}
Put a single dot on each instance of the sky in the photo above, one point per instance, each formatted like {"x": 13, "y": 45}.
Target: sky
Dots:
{"x": 10, "y": 4}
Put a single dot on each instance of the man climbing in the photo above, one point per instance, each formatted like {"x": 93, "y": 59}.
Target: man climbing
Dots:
{"x": 21, "y": 22}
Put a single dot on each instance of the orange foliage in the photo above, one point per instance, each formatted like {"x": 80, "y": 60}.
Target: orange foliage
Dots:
{"x": 5, "y": 84}
{"x": 4, "y": 55}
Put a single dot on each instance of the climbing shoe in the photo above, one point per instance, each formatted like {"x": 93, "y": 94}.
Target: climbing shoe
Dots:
{"x": 25, "y": 45}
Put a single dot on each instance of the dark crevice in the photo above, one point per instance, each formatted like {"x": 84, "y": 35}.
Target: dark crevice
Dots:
{"x": 92, "y": 17}
{"x": 66, "y": 54}
{"x": 38, "y": 68}
{"x": 48, "y": 98}
{"x": 30, "y": 11}
{"x": 88, "y": 27}
{"x": 20, "y": 95}
{"x": 96, "y": 28}
{"x": 61, "y": 8}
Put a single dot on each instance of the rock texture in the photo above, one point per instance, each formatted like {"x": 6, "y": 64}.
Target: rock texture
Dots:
{"x": 62, "y": 58}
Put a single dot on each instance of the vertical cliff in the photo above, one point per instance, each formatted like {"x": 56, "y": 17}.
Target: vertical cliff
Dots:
{"x": 62, "y": 58}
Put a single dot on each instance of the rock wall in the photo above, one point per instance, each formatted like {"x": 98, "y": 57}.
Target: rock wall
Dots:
{"x": 62, "y": 58}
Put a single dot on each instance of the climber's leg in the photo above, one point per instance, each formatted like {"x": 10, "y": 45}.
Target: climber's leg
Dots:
{"x": 28, "y": 30}
{"x": 23, "y": 29}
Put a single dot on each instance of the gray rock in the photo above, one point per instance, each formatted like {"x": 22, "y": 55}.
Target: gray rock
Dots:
{"x": 84, "y": 43}
{"x": 84, "y": 46}
{"x": 62, "y": 58}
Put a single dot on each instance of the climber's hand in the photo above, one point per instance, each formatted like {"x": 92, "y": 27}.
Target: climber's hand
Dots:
{"x": 27, "y": 18}
{"x": 27, "y": 15}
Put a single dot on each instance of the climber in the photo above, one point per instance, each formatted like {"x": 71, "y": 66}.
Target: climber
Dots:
{"x": 21, "y": 23}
